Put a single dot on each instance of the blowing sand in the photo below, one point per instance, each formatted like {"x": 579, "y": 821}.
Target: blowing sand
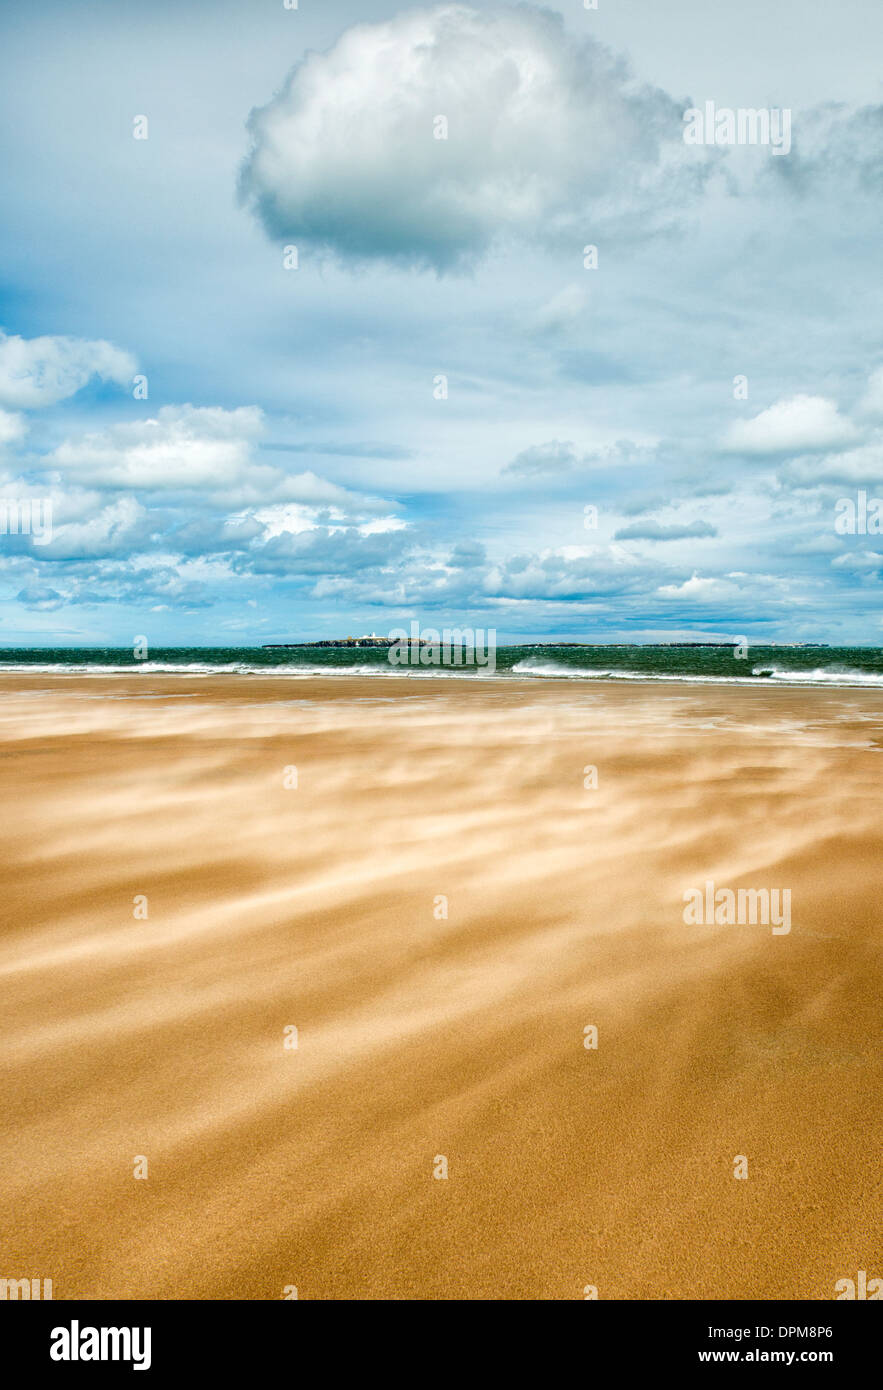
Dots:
{"x": 421, "y": 1036}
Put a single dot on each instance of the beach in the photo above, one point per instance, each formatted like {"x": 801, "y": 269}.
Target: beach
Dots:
{"x": 467, "y": 897}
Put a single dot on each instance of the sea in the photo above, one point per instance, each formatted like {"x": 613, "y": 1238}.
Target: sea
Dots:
{"x": 856, "y": 667}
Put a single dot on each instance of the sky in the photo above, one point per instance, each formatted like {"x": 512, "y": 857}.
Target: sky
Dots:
{"x": 301, "y": 334}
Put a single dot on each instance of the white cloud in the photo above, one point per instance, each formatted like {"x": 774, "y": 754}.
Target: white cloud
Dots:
{"x": 205, "y": 448}
{"x": 801, "y": 424}
{"x": 37, "y": 372}
{"x": 567, "y": 572}
{"x": 562, "y": 456}
{"x": 554, "y": 456}
{"x": 860, "y": 562}
{"x": 180, "y": 447}
{"x": 700, "y": 588}
{"x": 289, "y": 519}
{"x": 12, "y": 427}
{"x": 861, "y": 466}
{"x": 545, "y": 135}
{"x": 117, "y": 529}
{"x": 382, "y": 526}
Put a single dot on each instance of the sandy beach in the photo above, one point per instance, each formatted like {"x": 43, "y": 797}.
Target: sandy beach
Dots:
{"x": 441, "y": 906}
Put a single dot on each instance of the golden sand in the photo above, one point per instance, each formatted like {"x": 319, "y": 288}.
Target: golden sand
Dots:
{"x": 421, "y": 1036}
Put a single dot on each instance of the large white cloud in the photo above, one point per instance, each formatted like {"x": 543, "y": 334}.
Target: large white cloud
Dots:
{"x": 861, "y": 466}
{"x": 801, "y": 424}
{"x": 546, "y": 136}
{"x": 181, "y": 447}
{"x": 116, "y": 529}
{"x": 37, "y": 372}
{"x": 186, "y": 448}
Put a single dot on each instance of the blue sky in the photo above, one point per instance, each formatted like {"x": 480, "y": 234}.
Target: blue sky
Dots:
{"x": 295, "y": 469}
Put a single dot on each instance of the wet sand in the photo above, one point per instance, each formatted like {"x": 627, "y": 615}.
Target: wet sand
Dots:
{"x": 422, "y": 1036}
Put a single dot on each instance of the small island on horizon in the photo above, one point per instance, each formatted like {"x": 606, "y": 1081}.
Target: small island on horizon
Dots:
{"x": 372, "y": 640}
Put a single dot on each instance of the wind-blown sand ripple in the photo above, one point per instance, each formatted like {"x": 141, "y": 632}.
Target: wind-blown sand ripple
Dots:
{"x": 420, "y": 1037}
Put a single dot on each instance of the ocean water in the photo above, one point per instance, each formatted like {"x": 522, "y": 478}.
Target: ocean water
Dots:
{"x": 807, "y": 666}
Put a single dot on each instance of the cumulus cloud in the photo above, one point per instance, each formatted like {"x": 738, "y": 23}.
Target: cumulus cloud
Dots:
{"x": 562, "y": 456}
{"x": 858, "y": 466}
{"x": 567, "y": 572}
{"x": 700, "y": 588}
{"x": 137, "y": 503}
{"x": 117, "y": 529}
{"x": 181, "y": 447}
{"x": 555, "y": 456}
{"x": 114, "y": 580}
{"x": 801, "y": 424}
{"x": 37, "y": 372}
{"x": 862, "y": 562}
{"x": 327, "y": 553}
{"x": 546, "y": 134}
{"x": 40, "y": 598}
{"x": 186, "y": 448}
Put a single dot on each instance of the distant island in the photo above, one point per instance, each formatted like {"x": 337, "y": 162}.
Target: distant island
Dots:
{"x": 372, "y": 640}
